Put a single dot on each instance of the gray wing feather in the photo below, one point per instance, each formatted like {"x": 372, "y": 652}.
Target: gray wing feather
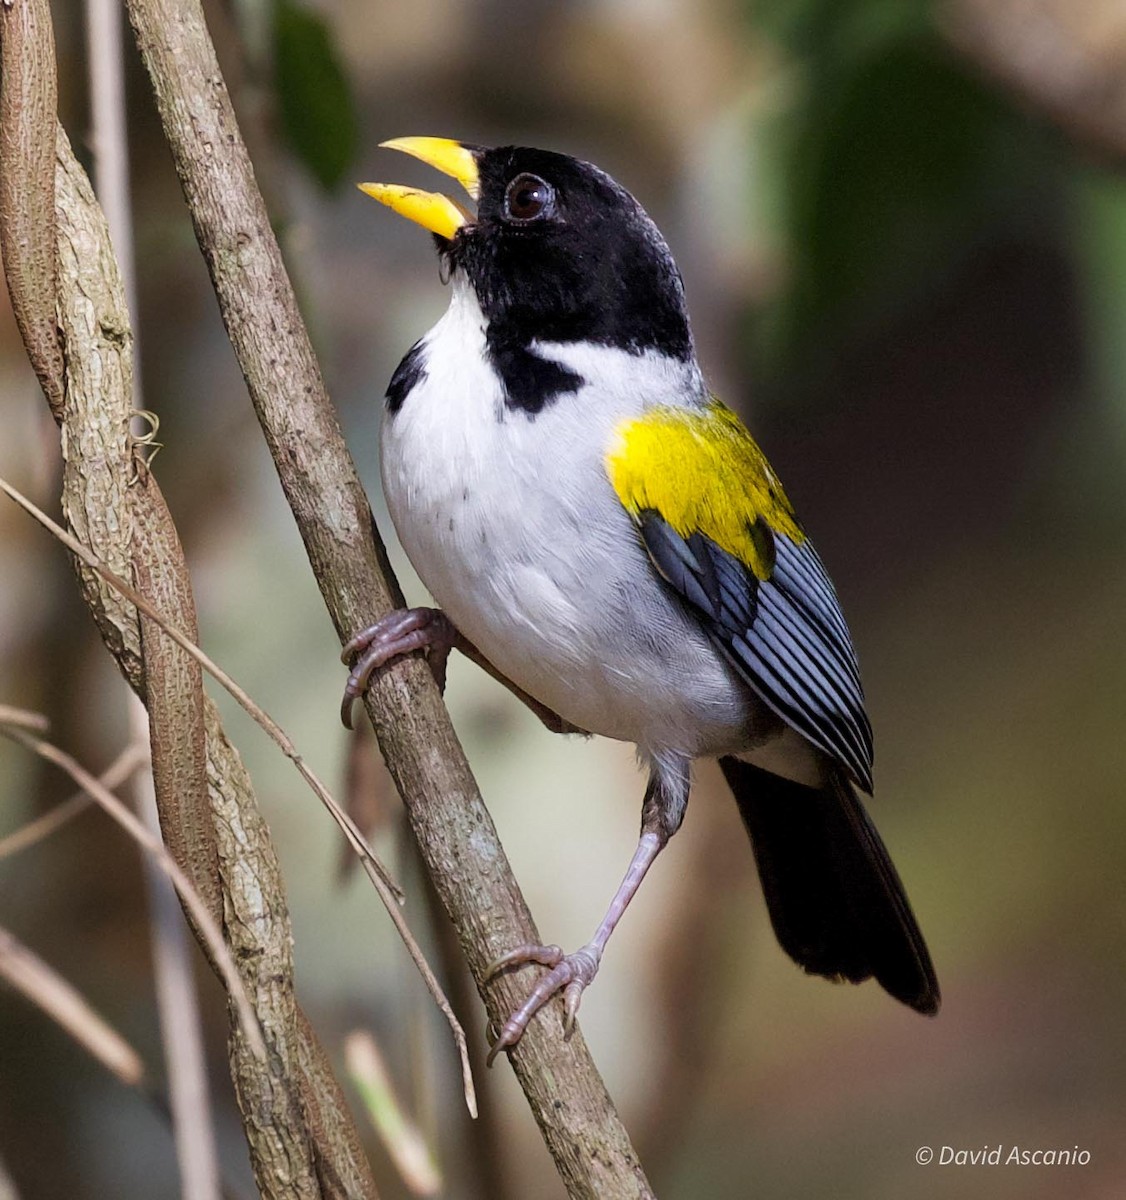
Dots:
{"x": 785, "y": 635}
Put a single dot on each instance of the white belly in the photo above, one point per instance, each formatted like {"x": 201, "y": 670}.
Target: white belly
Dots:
{"x": 511, "y": 523}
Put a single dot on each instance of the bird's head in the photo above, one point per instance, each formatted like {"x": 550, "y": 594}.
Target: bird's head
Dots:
{"x": 556, "y": 251}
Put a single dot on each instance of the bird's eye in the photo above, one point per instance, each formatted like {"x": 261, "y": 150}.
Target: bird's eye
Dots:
{"x": 528, "y": 197}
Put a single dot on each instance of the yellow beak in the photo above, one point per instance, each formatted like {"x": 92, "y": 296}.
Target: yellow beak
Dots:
{"x": 431, "y": 210}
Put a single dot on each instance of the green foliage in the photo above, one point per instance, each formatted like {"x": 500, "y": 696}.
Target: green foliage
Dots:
{"x": 1100, "y": 244}
{"x": 893, "y": 162}
{"x": 317, "y": 110}
{"x": 903, "y": 161}
{"x": 839, "y": 30}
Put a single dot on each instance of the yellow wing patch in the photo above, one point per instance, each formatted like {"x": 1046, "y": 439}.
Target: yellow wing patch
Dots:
{"x": 703, "y": 472}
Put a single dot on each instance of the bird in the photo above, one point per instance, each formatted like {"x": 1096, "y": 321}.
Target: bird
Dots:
{"x": 604, "y": 535}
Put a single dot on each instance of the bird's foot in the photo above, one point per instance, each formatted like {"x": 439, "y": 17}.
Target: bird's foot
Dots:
{"x": 400, "y": 632}
{"x": 569, "y": 974}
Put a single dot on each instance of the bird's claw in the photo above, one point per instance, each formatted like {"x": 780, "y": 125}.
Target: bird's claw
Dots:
{"x": 398, "y": 633}
{"x": 546, "y": 956}
{"x": 570, "y": 974}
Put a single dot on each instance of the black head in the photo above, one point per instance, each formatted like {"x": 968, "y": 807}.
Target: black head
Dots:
{"x": 560, "y": 252}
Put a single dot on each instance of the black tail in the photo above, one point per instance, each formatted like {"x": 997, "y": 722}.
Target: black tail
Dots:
{"x": 835, "y": 900}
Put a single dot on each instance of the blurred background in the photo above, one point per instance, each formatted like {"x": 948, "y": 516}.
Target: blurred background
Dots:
{"x": 902, "y": 227}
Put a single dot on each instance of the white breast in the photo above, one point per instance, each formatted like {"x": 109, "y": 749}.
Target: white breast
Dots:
{"x": 511, "y": 522}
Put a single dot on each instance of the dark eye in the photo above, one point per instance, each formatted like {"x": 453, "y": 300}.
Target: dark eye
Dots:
{"x": 528, "y": 197}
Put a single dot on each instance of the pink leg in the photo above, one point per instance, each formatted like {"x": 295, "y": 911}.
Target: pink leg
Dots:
{"x": 396, "y": 634}
{"x": 571, "y": 973}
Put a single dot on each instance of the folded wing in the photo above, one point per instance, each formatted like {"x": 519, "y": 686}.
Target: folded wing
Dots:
{"x": 718, "y": 528}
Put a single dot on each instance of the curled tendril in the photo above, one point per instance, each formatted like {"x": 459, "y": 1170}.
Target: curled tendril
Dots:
{"x": 145, "y": 447}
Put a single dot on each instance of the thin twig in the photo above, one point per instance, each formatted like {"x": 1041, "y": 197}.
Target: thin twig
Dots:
{"x": 487, "y": 1173}
{"x": 71, "y": 1011}
{"x": 177, "y": 1001}
{"x": 68, "y": 1008}
{"x": 263, "y": 719}
{"x": 387, "y": 890}
{"x": 21, "y": 718}
{"x": 177, "y": 998}
{"x": 206, "y": 923}
{"x": 63, "y": 279}
{"x": 132, "y": 757}
{"x": 399, "y": 1133}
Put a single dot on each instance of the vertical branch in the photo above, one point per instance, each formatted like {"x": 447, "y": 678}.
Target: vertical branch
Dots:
{"x": 110, "y": 145}
{"x": 302, "y": 1140}
{"x": 454, "y": 831}
{"x": 178, "y": 1004}
{"x": 116, "y": 508}
{"x": 28, "y": 101}
{"x": 176, "y": 995}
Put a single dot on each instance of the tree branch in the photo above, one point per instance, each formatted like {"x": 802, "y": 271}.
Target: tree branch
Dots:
{"x": 25, "y": 971}
{"x": 302, "y": 1140}
{"x": 130, "y": 530}
{"x": 454, "y": 831}
{"x": 28, "y": 95}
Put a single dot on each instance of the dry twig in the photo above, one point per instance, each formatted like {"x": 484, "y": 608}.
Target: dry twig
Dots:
{"x": 207, "y": 925}
{"x": 48, "y": 990}
{"x": 122, "y": 767}
{"x": 388, "y": 891}
{"x": 302, "y": 1139}
{"x": 400, "y": 1135}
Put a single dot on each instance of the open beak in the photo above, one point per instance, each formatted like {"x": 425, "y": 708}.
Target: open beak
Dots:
{"x": 431, "y": 210}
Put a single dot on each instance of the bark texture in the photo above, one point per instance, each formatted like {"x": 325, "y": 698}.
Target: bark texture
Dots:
{"x": 455, "y": 833}
{"x": 64, "y": 281}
